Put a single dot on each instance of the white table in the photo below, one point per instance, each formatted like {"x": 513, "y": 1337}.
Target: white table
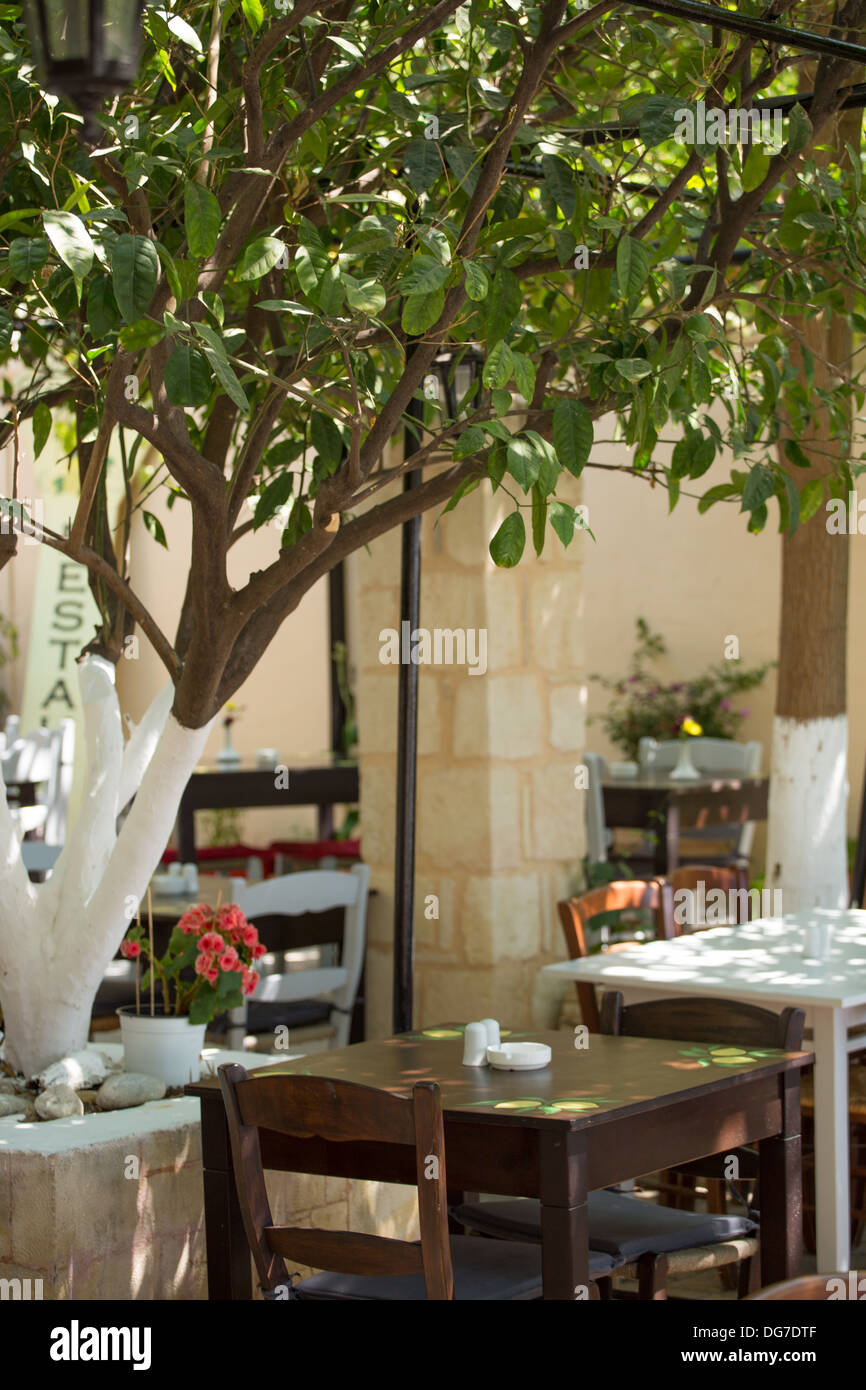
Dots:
{"x": 765, "y": 962}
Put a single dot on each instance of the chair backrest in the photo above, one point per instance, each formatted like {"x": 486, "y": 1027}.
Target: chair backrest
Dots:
{"x": 815, "y": 1288}
{"x": 597, "y": 835}
{"x": 45, "y": 756}
{"x": 703, "y": 1021}
{"x": 343, "y": 1112}
{"x": 318, "y": 907}
{"x": 692, "y": 885}
{"x": 576, "y": 914}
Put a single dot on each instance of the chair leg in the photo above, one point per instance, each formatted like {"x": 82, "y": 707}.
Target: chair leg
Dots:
{"x": 688, "y": 1184}
{"x": 652, "y": 1277}
{"x": 605, "y": 1289}
{"x": 717, "y": 1197}
{"x": 749, "y": 1280}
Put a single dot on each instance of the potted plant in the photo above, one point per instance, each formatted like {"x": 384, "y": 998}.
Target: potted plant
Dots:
{"x": 165, "y": 1038}
{"x": 685, "y": 770}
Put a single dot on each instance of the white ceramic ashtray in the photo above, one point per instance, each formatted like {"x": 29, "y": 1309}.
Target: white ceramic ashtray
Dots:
{"x": 167, "y": 885}
{"x": 517, "y": 1056}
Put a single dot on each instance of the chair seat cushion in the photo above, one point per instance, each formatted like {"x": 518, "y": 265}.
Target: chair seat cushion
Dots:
{"x": 484, "y": 1271}
{"x": 622, "y": 1226}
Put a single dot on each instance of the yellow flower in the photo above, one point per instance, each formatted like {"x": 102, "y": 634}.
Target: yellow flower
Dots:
{"x": 691, "y": 726}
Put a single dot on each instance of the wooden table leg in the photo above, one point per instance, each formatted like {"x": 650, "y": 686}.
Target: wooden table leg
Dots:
{"x": 229, "y": 1272}
{"x": 564, "y": 1220}
{"x": 672, "y": 837}
{"x": 781, "y": 1192}
{"x": 832, "y": 1163}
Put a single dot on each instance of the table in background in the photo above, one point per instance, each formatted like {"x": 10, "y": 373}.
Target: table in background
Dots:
{"x": 666, "y": 808}
{"x": 325, "y": 785}
{"x": 763, "y": 962}
{"x": 644, "y": 1109}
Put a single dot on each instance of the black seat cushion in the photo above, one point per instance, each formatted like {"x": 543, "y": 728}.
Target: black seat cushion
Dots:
{"x": 621, "y": 1226}
{"x": 484, "y": 1271}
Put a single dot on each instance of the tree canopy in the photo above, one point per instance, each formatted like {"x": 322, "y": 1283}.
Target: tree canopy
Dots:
{"x": 297, "y": 227}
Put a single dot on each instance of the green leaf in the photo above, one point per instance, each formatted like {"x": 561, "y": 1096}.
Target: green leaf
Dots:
{"x": 27, "y": 255}
{"x": 758, "y": 519}
{"x": 103, "y": 316}
{"x": 632, "y": 268}
{"x": 572, "y": 435}
{"x": 274, "y": 496}
{"x": 657, "y": 121}
{"x": 364, "y": 296}
{"x": 471, "y": 441}
{"x": 524, "y": 462}
{"x": 717, "y": 494}
{"x": 811, "y": 498}
{"x": 795, "y": 454}
{"x": 135, "y": 337}
{"x": 41, "y": 427}
{"x": 561, "y": 183}
{"x": 421, "y": 311}
{"x": 508, "y": 544}
{"x": 504, "y": 300}
{"x": 497, "y": 461}
{"x": 463, "y": 489}
{"x": 134, "y": 268}
{"x": 633, "y": 368}
{"x": 799, "y": 129}
{"x": 422, "y": 164}
{"x": 539, "y": 518}
{"x": 756, "y": 168}
{"x": 260, "y": 257}
{"x": 155, "y": 527}
{"x": 563, "y": 519}
{"x": 524, "y": 374}
{"x": 499, "y": 367}
{"x": 373, "y": 233}
{"x": 181, "y": 30}
{"x": 436, "y": 241}
{"x": 253, "y": 13}
{"x": 300, "y": 522}
{"x": 793, "y": 498}
{"x": 760, "y": 484}
{"x": 477, "y": 281}
{"x": 6, "y": 327}
{"x": 187, "y": 379}
{"x": 423, "y": 275}
{"x": 327, "y": 440}
{"x": 222, "y": 369}
{"x": 71, "y": 240}
{"x": 201, "y": 219}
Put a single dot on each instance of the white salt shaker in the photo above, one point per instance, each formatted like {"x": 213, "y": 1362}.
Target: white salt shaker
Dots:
{"x": 475, "y": 1045}
{"x": 492, "y": 1027}
{"x": 817, "y": 942}
{"x": 190, "y": 873}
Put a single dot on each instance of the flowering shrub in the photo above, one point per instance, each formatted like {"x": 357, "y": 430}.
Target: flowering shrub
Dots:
{"x": 641, "y": 707}
{"x": 220, "y": 945}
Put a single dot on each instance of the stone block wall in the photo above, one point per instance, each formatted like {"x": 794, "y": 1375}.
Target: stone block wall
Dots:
{"x": 500, "y": 825}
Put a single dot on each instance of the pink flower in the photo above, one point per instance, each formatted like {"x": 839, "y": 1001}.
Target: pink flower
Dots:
{"x": 250, "y": 980}
{"x": 195, "y": 919}
{"x": 230, "y": 918}
{"x": 203, "y": 963}
{"x": 230, "y": 960}
{"x": 130, "y": 949}
{"x": 212, "y": 976}
{"x": 260, "y": 949}
{"x": 211, "y": 941}
{"x": 249, "y": 934}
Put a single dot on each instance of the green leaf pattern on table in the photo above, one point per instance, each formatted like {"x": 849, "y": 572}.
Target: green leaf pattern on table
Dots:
{"x": 727, "y": 1056}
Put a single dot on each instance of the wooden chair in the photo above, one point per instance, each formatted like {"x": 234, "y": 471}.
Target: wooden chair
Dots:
{"x": 713, "y": 757}
{"x": 624, "y": 895}
{"x": 814, "y": 1288}
{"x": 733, "y": 880}
{"x": 319, "y": 907}
{"x": 857, "y": 1139}
{"x": 362, "y": 1267}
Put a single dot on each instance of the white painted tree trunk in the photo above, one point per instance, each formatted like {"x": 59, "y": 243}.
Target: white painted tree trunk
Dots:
{"x": 57, "y": 938}
{"x": 806, "y": 841}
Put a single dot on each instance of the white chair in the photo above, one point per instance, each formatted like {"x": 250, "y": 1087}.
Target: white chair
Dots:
{"x": 598, "y": 838}
{"x": 44, "y": 756}
{"x": 320, "y": 890}
{"x": 714, "y": 757}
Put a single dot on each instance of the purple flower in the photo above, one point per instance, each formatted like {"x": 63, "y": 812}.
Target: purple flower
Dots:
{"x": 724, "y": 704}
{"x": 744, "y": 714}
{"x": 632, "y": 680}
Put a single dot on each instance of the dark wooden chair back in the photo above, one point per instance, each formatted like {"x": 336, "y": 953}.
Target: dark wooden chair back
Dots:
{"x": 576, "y": 914}
{"x": 703, "y": 1021}
{"x": 733, "y": 882}
{"x": 343, "y": 1112}
{"x": 815, "y": 1288}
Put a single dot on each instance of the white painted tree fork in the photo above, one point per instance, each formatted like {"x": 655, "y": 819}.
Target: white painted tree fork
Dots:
{"x": 806, "y": 856}
{"x": 57, "y": 938}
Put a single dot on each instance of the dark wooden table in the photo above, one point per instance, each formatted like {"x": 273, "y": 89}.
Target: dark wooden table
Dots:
{"x": 637, "y": 1105}
{"x": 667, "y": 808}
{"x": 324, "y": 785}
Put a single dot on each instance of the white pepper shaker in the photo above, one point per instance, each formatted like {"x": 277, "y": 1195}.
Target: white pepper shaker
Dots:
{"x": 475, "y": 1045}
{"x": 492, "y": 1027}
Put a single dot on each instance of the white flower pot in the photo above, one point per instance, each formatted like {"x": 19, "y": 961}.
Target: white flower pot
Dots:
{"x": 167, "y": 1047}
{"x": 685, "y": 770}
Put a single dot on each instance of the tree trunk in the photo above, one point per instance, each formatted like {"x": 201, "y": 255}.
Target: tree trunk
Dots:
{"x": 806, "y": 848}
{"x": 57, "y": 938}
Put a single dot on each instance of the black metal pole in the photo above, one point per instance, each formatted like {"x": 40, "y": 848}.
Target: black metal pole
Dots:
{"x": 407, "y": 746}
{"x": 858, "y": 878}
{"x": 756, "y": 28}
{"x": 336, "y": 633}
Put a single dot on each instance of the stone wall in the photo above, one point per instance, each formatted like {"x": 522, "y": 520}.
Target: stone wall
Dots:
{"x": 500, "y": 824}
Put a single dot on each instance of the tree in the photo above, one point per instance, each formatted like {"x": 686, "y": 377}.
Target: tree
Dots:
{"x": 287, "y": 226}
